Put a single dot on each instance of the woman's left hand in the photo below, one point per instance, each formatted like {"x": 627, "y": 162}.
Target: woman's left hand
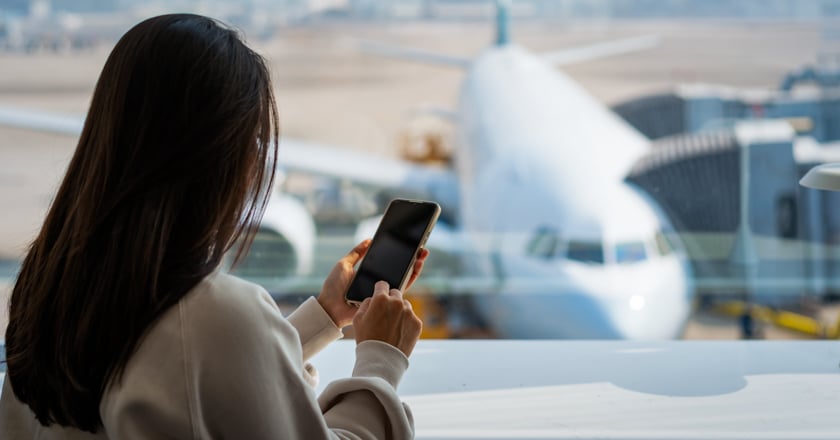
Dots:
{"x": 337, "y": 282}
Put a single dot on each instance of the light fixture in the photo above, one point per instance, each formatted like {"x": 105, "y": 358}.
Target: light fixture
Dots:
{"x": 826, "y": 176}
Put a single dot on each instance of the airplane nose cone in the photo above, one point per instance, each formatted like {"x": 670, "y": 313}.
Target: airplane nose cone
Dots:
{"x": 656, "y": 309}
{"x": 591, "y": 302}
{"x": 520, "y": 314}
{"x": 637, "y": 317}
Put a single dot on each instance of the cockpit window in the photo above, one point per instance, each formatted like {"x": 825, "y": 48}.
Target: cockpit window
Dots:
{"x": 586, "y": 251}
{"x": 544, "y": 244}
{"x": 630, "y": 252}
{"x": 663, "y": 245}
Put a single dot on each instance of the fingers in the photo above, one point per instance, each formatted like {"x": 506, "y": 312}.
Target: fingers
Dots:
{"x": 418, "y": 266}
{"x": 363, "y": 308}
{"x": 381, "y": 288}
{"x": 422, "y": 254}
{"x": 420, "y": 261}
{"x": 412, "y": 321}
{"x": 411, "y": 329}
{"x": 387, "y": 316}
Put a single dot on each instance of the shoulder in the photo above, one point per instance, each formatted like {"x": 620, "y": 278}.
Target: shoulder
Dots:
{"x": 226, "y": 314}
{"x": 223, "y": 289}
{"x": 222, "y": 297}
{"x": 207, "y": 354}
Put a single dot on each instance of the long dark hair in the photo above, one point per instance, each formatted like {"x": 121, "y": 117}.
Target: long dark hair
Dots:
{"x": 174, "y": 166}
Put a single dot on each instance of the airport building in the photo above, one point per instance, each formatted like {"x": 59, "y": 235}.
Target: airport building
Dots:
{"x": 695, "y": 169}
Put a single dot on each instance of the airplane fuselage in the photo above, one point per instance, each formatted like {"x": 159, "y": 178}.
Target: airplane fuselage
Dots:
{"x": 579, "y": 252}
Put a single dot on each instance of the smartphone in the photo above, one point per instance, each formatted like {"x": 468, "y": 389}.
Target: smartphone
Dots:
{"x": 401, "y": 234}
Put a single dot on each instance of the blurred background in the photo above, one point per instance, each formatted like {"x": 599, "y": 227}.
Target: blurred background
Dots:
{"x": 607, "y": 168}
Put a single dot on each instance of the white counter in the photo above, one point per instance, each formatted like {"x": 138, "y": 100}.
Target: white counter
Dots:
{"x": 617, "y": 390}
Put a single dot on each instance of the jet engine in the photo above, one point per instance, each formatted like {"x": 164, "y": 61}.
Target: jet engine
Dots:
{"x": 284, "y": 244}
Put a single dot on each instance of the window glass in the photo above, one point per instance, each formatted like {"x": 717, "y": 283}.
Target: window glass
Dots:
{"x": 632, "y": 252}
{"x": 586, "y": 252}
{"x": 525, "y": 146}
{"x": 663, "y": 246}
{"x": 544, "y": 244}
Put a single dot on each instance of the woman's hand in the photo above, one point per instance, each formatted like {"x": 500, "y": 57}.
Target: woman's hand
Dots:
{"x": 337, "y": 282}
{"x": 387, "y": 317}
{"x": 331, "y": 297}
{"x": 418, "y": 267}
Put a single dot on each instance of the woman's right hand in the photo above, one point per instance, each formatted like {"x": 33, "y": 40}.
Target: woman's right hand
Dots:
{"x": 387, "y": 317}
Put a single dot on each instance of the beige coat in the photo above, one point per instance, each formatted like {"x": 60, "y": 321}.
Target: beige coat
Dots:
{"x": 225, "y": 364}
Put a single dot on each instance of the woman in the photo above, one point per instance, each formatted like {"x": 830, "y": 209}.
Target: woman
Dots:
{"x": 122, "y": 326}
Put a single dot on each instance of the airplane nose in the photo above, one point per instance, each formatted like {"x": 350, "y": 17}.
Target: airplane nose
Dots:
{"x": 655, "y": 313}
{"x": 520, "y": 314}
{"x": 637, "y": 302}
{"x": 641, "y": 321}
{"x": 635, "y": 305}
{"x": 642, "y": 306}
{"x": 590, "y": 303}
{"x": 581, "y": 315}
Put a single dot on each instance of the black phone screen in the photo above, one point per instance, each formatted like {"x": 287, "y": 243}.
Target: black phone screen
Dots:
{"x": 391, "y": 253}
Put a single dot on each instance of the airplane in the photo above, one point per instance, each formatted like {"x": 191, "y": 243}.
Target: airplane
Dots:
{"x": 550, "y": 240}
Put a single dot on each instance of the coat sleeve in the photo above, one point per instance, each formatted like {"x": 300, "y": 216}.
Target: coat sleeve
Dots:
{"x": 316, "y": 330}
{"x": 379, "y": 368}
{"x": 314, "y": 327}
{"x": 247, "y": 380}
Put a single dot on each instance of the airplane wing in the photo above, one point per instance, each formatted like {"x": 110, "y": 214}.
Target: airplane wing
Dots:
{"x": 412, "y": 54}
{"x": 364, "y": 168}
{"x": 558, "y": 58}
{"x": 297, "y": 155}
{"x": 600, "y": 50}
{"x": 41, "y": 121}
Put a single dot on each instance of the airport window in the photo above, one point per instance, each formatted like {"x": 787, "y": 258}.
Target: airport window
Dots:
{"x": 545, "y": 243}
{"x": 786, "y": 224}
{"x": 585, "y": 252}
{"x": 592, "y": 162}
{"x": 589, "y": 163}
{"x": 632, "y": 252}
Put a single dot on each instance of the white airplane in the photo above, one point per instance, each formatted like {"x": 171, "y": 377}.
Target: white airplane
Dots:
{"x": 549, "y": 237}
{"x": 543, "y": 207}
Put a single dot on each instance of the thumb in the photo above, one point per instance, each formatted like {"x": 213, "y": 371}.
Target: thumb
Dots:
{"x": 357, "y": 253}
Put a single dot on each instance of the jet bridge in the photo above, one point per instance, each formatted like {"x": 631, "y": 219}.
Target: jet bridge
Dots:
{"x": 693, "y": 170}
